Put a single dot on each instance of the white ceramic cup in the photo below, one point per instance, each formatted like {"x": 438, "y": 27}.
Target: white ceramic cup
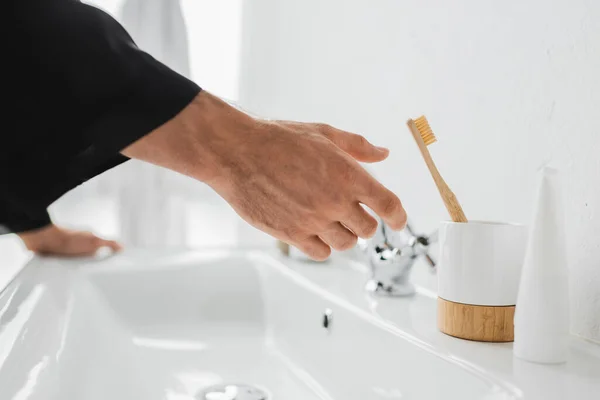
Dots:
{"x": 480, "y": 262}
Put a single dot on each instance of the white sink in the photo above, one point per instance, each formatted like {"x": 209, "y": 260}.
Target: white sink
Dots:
{"x": 166, "y": 325}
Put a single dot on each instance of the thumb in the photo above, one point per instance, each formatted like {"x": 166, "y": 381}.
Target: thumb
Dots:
{"x": 358, "y": 146}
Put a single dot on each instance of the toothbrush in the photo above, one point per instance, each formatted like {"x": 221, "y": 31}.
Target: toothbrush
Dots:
{"x": 424, "y": 136}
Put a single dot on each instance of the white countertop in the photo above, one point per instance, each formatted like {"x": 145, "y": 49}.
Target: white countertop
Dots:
{"x": 415, "y": 316}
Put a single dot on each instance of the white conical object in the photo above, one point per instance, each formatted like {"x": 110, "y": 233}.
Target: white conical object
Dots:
{"x": 542, "y": 313}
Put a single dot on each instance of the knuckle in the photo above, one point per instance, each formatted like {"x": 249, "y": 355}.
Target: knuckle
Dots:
{"x": 361, "y": 141}
{"x": 340, "y": 238}
{"x": 403, "y": 219}
{"x": 370, "y": 188}
{"x": 316, "y": 222}
{"x": 319, "y": 253}
{"x": 391, "y": 205}
{"x": 291, "y": 232}
{"x": 369, "y": 227}
{"x": 347, "y": 243}
{"x": 324, "y": 129}
{"x": 347, "y": 173}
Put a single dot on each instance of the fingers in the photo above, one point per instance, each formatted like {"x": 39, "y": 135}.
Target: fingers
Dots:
{"x": 315, "y": 248}
{"x": 111, "y": 244}
{"x": 384, "y": 203}
{"x": 361, "y": 222}
{"x": 339, "y": 237}
{"x": 355, "y": 145}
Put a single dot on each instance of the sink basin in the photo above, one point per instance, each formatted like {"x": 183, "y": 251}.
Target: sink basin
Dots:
{"x": 167, "y": 325}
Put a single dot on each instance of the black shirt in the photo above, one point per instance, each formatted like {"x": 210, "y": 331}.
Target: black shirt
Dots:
{"x": 78, "y": 91}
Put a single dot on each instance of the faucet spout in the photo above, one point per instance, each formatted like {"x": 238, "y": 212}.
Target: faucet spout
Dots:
{"x": 391, "y": 256}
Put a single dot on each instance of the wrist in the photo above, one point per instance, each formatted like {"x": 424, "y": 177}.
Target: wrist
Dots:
{"x": 38, "y": 240}
{"x": 219, "y": 134}
{"x": 199, "y": 141}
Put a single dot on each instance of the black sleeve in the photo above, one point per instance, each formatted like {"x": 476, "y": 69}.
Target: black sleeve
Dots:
{"x": 78, "y": 91}
{"x": 14, "y": 220}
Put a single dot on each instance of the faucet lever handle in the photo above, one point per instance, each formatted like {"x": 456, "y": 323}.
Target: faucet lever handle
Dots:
{"x": 392, "y": 255}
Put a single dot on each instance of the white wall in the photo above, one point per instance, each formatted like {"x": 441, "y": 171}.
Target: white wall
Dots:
{"x": 506, "y": 85}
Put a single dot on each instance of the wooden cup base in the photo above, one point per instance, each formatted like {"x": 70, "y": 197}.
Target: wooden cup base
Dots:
{"x": 479, "y": 323}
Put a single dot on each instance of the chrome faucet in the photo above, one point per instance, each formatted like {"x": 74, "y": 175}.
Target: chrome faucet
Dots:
{"x": 391, "y": 256}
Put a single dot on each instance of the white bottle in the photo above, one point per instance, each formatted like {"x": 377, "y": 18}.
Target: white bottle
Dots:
{"x": 542, "y": 312}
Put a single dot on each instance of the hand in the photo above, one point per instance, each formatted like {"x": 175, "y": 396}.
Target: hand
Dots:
{"x": 302, "y": 184}
{"x": 299, "y": 182}
{"x": 52, "y": 240}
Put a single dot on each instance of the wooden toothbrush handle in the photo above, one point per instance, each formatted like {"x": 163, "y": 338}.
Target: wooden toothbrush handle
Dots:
{"x": 450, "y": 201}
{"x": 452, "y": 205}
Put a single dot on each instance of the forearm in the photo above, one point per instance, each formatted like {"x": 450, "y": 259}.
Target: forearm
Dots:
{"x": 194, "y": 141}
